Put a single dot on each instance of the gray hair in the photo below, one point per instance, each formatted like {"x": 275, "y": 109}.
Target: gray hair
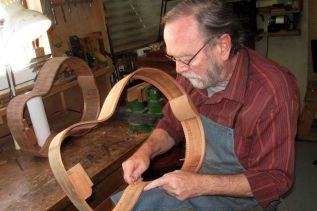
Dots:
{"x": 214, "y": 19}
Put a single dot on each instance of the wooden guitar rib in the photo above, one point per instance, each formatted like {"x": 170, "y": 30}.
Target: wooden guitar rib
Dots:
{"x": 75, "y": 181}
{"x": 21, "y": 132}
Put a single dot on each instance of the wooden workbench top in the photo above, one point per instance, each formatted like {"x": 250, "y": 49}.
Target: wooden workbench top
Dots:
{"x": 27, "y": 183}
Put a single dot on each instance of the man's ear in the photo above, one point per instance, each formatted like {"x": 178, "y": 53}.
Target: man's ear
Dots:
{"x": 224, "y": 42}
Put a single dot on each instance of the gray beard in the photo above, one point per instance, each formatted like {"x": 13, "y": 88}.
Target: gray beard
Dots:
{"x": 214, "y": 76}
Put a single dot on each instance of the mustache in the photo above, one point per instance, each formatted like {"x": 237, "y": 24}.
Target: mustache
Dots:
{"x": 191, "y": 75}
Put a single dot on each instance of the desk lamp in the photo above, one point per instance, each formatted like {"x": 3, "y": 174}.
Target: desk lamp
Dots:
{"x": 19, "y": 25}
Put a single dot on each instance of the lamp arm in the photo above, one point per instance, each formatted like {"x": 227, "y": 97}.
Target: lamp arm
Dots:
{"x": 10, "y": 79}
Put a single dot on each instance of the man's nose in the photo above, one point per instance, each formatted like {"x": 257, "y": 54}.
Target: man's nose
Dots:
{"x": 180, "y": 67}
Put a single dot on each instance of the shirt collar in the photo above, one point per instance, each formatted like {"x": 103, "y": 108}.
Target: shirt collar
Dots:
{"x": 238, "y": 82}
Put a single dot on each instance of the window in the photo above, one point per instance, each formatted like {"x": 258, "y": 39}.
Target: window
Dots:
{"x": 133, "y": 24}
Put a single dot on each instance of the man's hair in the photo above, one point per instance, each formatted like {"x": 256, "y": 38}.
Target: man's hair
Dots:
{"x": 214, "y": 19}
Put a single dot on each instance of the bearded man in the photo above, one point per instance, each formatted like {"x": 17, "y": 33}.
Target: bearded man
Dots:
{"x": 248, "y": 106}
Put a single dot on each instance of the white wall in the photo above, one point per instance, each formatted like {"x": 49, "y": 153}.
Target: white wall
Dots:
{"x": 291, "y": 52}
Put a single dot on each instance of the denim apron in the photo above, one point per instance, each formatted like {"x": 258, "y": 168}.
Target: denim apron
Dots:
{"x": 220, "y": 159}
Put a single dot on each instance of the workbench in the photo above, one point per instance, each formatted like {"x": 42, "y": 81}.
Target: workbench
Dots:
{"x": 27, "y": 183}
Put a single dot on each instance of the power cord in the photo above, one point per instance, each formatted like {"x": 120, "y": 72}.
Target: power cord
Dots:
{"x": 267, "y": 46}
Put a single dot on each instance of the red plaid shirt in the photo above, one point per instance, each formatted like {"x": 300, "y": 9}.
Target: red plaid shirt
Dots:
{"x": 265, "y": 127}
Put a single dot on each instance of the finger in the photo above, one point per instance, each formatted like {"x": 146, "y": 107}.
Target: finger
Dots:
{"x": 140, "y": 179}
{"x": 128, "y": 173}
{"x": 132, "y": 173}
{"x": 156, "y": 183}
{"x": 136, "y": 174}
{"x": 127, "y": 178}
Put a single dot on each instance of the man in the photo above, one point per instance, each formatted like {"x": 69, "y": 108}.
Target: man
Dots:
{"x": 248, "y": 106}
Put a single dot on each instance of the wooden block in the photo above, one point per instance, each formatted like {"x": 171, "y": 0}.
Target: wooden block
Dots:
{"x": 136, "y": 91}
{"x": 80, "y": 181}
{"x": 181, "y": 108}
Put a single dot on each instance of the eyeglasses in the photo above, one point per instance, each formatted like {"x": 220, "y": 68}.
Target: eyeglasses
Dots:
{"x": 191, "y": 59}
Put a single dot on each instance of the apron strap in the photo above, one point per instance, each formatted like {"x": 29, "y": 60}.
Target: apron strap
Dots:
{"x": 236, "y": 117}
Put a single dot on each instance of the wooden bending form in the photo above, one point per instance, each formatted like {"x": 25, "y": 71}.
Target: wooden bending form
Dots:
{"x": 24, "y": 134}
{"x": 75, "y": 181}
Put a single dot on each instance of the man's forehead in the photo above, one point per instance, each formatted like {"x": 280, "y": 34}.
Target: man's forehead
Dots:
{"x": 182, "y": 27}
{"x": 181, "y": 32}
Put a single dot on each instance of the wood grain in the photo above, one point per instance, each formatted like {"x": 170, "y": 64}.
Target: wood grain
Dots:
{"x": 27, "y": 183}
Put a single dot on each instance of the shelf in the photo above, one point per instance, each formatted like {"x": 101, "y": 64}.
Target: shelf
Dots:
{"x": 273, "y": 12}
{"x": 279, "y": 34}
{"x": 232, "y": 1}
{"x": 283, "y": 17}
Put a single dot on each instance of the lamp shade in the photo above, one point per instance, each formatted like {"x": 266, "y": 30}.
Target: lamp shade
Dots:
{"x": 22, "y": 25}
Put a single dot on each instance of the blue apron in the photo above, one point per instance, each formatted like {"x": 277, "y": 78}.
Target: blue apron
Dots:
{"x": 220, "y": 159}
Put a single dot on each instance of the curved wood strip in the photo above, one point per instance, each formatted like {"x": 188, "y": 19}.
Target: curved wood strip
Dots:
{"x": 130, "y": 196}
{"x": 192, "y": 126}
{"x": 42, "y": 86}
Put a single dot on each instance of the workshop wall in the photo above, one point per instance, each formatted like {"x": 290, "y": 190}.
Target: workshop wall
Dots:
{"x": 83, "y": 19}
{"x": 291, "y": 51}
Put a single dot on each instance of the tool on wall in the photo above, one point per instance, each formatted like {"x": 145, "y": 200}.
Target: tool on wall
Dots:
{"x": 49, "y": 8}
{"x": 76, "y": 47}
{"x": 61, "y": 2}
{"x": 69, "y": 7}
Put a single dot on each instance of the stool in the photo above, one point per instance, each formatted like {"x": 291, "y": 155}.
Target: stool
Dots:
{"x": 305, "y": 130}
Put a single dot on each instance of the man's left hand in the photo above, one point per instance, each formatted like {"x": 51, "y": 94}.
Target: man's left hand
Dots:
{"x": 180, "y": 184}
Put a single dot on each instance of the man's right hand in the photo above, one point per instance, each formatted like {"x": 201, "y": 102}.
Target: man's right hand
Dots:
{"x": 134, "y": 167}
{"x": 158, "y": 142}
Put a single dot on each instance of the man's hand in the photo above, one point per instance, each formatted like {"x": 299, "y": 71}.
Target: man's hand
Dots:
{"x": 158, "y": 142}
{"x": 181, "y": 184}
{"x": 134, "y": 167}
{"x": 184, "y": 185}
